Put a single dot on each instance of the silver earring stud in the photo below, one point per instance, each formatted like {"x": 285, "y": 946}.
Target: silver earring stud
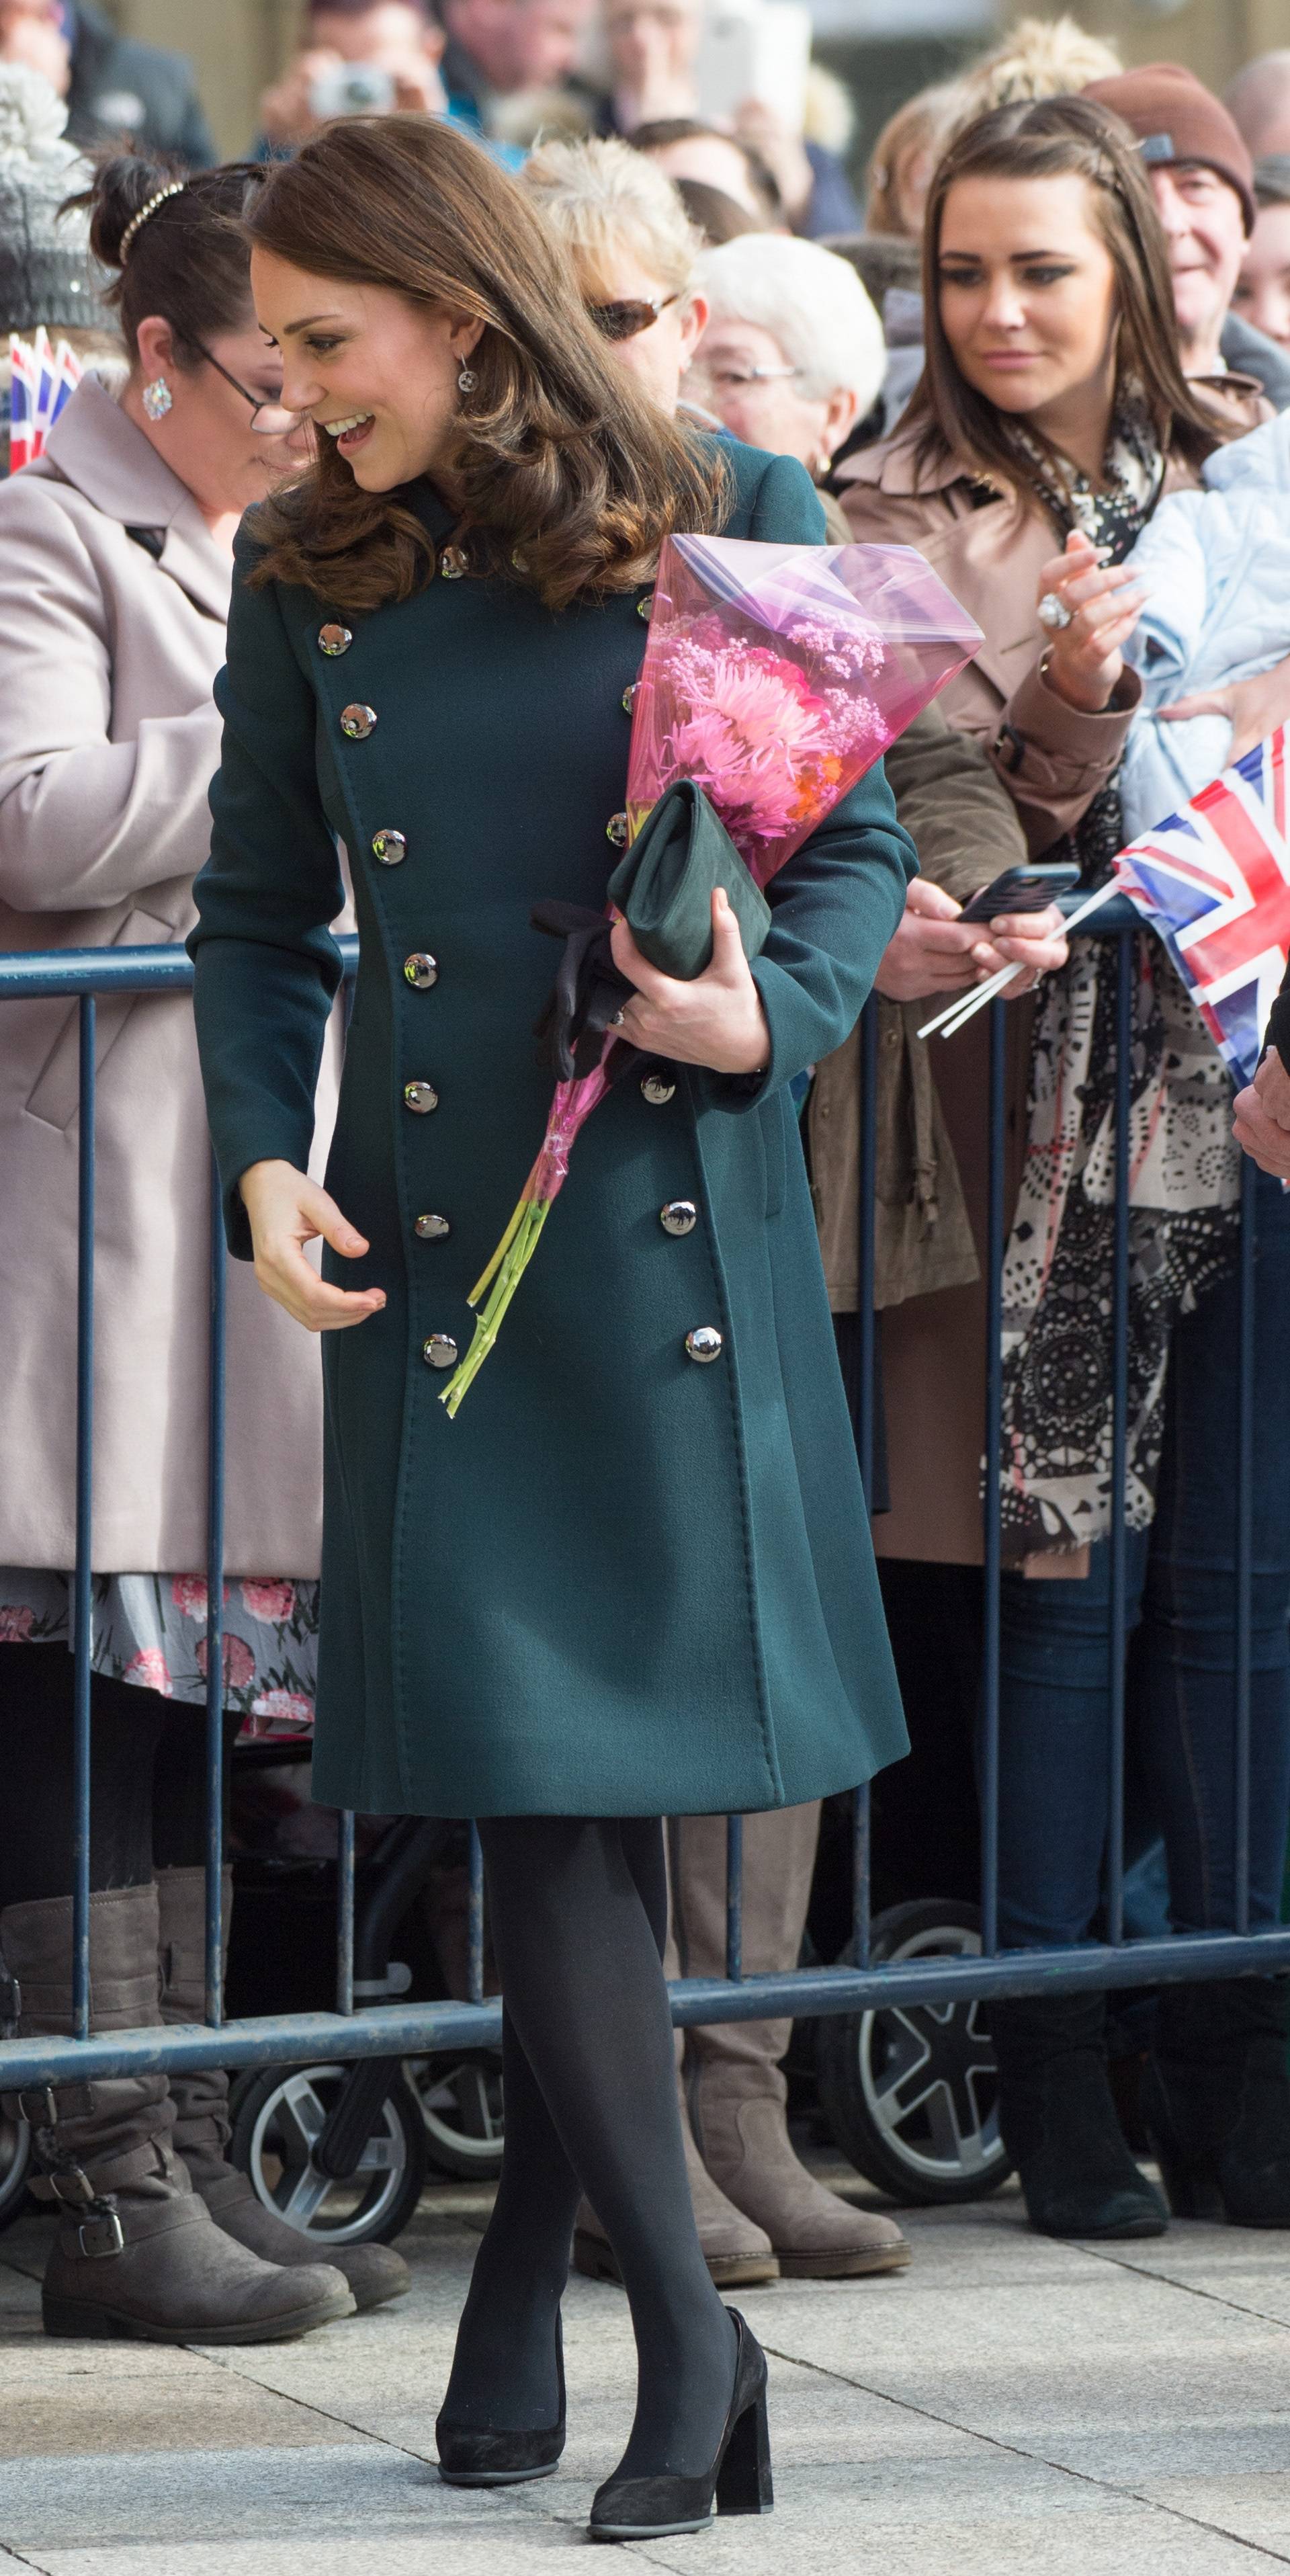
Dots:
{"x": 158, "y": 399}
{"x": 467, "y": 381}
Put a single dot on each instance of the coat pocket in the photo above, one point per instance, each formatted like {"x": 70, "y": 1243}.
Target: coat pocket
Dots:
{"x": 56, "y": 1092}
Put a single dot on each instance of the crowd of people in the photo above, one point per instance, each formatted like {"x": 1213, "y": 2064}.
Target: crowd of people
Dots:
{"x": 1065, "y": 308}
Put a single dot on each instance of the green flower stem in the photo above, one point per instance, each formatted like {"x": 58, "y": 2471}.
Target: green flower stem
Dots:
{"x": 515, "y": 1262}
{"x": 499, "y": 1256}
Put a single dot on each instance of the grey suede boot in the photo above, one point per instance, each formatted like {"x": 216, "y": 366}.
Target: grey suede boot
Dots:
{"x": 137, "y": 2253}
{"x": 736, "y": 2251}
{"x": 736, "y": 2091}
{"x": 375, "y": 2273}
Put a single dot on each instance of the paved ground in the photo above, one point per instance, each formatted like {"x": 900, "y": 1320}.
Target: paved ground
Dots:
{"x": 1007, "y": 2405}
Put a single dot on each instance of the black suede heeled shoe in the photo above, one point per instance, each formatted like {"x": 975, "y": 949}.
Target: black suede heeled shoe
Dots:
{"x": 739, "y": 2480}
{"x": 472, "y": 2457}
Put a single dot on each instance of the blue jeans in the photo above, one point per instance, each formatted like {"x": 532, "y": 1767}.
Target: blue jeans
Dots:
{"x": 1054, "y": 1748}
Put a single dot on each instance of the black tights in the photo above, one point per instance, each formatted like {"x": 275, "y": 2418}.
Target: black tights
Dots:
{"x": 147, "y": 1778}
{"x": 578, "y": 1914}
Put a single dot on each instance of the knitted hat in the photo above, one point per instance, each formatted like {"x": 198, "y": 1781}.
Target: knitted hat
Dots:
{"x": 1176, "y": 118}
{"x": 46, "y": 272}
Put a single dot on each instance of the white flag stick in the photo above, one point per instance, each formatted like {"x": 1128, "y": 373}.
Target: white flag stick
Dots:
{"x": 959, "y": 1011}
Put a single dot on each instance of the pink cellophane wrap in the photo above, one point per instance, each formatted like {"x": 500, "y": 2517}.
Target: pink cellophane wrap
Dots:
{"x": 776, "y": 675}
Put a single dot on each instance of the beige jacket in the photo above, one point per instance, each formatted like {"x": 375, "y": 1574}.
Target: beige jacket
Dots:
{"x": 108, "y": 739}
{"x": 965, "y": 828}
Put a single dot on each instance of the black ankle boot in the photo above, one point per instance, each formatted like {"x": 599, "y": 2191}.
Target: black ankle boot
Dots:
{"x": 470, "y": 2457}
{"x": 739, "y": 2480}
{"x": 1059, "y": 2121}
{"x": 1217, "y": 2100}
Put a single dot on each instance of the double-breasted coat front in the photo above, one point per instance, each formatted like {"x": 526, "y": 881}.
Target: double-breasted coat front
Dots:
{"x": 620, "y": 1582}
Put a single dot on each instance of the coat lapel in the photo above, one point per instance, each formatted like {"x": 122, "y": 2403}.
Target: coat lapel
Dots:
{"x": 96, "y": 447}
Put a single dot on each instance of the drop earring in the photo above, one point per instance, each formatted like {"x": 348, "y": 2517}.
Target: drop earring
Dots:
{"x": 158, "y": 399}
{"x": 467, "y": 381}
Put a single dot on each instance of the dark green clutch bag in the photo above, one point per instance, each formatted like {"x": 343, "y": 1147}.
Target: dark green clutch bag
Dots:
{"x": 664, "y": 884}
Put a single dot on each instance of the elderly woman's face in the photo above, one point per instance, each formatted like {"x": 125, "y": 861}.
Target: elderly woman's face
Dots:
{"x": 659, "y": 353}
{"x": 740, "y": 372}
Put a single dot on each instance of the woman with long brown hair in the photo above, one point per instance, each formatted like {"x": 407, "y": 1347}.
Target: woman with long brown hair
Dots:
{"x": 634, "y": 1577}
{"x": 1052, "y": 414}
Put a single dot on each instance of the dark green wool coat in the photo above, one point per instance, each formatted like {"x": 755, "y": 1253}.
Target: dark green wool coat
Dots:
{"x": 620, "y": 1583}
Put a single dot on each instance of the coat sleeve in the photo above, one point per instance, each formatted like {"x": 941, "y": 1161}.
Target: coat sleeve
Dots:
{"x": 955, "y": 808}
{"x": 267, "y": 966}
{"x": 85, "y": 823}
{"x": 836, "y": 903}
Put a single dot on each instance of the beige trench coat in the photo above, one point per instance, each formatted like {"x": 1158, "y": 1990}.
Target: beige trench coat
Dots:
{"x": 108, "y": 739}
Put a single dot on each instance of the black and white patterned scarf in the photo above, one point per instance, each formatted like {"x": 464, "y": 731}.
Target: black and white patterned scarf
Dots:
{"x": 1184, "y": 1166}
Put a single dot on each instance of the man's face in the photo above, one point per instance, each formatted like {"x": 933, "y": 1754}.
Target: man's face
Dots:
{"x": 1204, "y": 225}
{"x": 520, "y": 44}
{"x": 386, "y": 35}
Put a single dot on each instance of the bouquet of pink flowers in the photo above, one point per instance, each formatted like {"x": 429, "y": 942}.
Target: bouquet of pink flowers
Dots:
{"x": 774, "y": 677}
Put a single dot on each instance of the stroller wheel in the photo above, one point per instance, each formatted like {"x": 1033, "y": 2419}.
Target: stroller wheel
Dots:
{"x": 15, "y": 2164}
{"x": 460, "y": 2093}
{"x": 278, "y": 2117}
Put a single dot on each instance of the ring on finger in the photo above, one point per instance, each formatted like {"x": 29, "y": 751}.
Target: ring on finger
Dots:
{"x": 1053, "y": 612}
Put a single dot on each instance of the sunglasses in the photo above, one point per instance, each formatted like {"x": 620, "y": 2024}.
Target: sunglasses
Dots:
{"x": 624, "y": 320}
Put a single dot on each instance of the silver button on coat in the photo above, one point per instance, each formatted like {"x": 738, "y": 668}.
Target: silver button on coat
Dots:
{"x": 356, "y": 722}
{"x": 439, "y": 1351}
{"x": 389, "y": 848}
{"x": 432, "y": 1229}
{"x": 657, "y": 1090}
{"x": 333, "y": 640}
{"x": 617, "y": 830}
{"x": 703, "y": 1344}
{"x": 680, "y": 1216}
{"x": 645, "y": 606}
{"x": 420, "y": 1096}
{"x": 421, "y": 970}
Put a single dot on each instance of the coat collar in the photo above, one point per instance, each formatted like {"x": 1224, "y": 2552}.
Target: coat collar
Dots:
{"x": 96, "y": 447}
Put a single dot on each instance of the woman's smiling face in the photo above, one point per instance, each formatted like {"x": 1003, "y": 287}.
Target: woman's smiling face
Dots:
{"x": 371, "y": 369}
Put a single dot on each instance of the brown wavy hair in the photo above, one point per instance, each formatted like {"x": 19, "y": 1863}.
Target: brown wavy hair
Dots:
{"x": 569, "y": 478}
{"x": 1047, "y": 139}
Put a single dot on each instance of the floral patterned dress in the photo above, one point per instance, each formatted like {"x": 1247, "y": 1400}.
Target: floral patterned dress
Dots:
{"x": 151, "y": 1630}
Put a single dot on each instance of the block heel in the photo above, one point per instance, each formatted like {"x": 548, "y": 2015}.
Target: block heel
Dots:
{"x": 739, "y": 2480}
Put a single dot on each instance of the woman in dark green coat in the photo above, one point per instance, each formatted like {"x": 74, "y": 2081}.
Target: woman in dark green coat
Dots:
{"x": 634, "y": 1576}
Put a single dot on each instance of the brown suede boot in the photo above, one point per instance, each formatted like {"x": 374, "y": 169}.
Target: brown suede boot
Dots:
{"x": 137, "y": 2252}
{"x": 736, "y": 2092}
{"x": 375, "y": 2273}
{"x": 737, "y": 2252}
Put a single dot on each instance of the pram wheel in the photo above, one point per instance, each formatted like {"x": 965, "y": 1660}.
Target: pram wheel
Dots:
{"x": 909, "y": 2092}
{"x": 15, "y": 2164}
{"x": 278, "y": 2117}
{"x": 460, "y": 2093}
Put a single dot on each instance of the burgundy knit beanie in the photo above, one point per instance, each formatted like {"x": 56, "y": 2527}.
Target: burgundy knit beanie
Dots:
{"x": 1177, "y": 119}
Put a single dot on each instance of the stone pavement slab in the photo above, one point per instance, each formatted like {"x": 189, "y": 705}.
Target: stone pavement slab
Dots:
{"x": 1008, "y": 2404}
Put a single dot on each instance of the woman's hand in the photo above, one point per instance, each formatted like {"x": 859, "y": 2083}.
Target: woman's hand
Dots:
{"x": 716, "y": 1021}
{"x": 1255, "y": 707}
{"x": 1261, "y": 1124}
{"x": 287, "y": 1210}
{"x": 934, "y": 951}
{"x": 1085, "y": 659}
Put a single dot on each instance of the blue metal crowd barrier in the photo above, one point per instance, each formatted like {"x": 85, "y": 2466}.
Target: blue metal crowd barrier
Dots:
{"x": 392, "y": 2030}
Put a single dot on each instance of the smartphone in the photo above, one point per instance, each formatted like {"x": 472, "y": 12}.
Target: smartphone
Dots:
{"x": 753, "y": 49}
{"x": 1022, "y": 890}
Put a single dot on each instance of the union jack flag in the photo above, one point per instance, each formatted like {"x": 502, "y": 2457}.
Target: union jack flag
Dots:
{"x": 1213, "y": 882}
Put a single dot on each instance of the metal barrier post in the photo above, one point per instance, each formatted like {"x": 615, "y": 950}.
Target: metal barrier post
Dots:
{"x": 1244, "y": 1555}
{"x": 83, "y": 1580}
{"x": 1117, "y": 1643}
{"x": 345, "y": 1911}
{"x": 734, "y": 1898}
{"x": 868, "y": 1239}
{"x": 993, "y": 1508}
{"x": 215, "y": 1614}
{"x": 475, "y": 1918}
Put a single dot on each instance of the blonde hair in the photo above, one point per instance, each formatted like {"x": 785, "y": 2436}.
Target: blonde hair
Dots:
{"x": 601, "y": 197}
{"x": 919, "y": 126}
{"x": 1038, "y": 58}
{"x": 811, "y": 302}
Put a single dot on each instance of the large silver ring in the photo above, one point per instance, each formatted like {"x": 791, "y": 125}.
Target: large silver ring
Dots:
{"x": 617, "y": 1020}
{"x": 1053, "y": 612}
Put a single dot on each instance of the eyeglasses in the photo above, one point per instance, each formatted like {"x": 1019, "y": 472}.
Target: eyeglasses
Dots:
{"x": 269, "y": 419}
{"x": 627, "y": 318}
{"x": 733, "y": 380}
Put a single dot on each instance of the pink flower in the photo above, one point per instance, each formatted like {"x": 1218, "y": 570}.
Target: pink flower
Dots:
{"x": 15, "y": 1622}
{"x": 148, "y": 1670}
{"x": 273, "y": 1600}
{"x": 189, "y": 1595}
{"x": 239, "y": 1662}
{"x": 282, "y": 1708}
